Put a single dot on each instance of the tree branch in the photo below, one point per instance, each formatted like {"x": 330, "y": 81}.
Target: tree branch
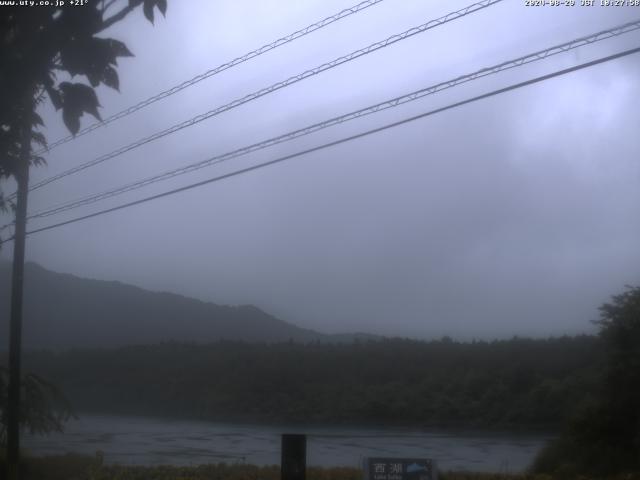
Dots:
{"x": 108, "y": 5}
{"x": 115, "y": 18}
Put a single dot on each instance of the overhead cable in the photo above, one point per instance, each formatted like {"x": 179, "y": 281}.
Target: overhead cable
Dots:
{"x": 394, "y": 102}
{"x": 214, "y": 71}
{"x": 276, "y": 86}
{"x": 340, "y": 141}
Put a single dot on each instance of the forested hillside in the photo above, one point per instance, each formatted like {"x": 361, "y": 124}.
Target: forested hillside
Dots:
{"x": 65, "y": 311}
{"x": 515, "y": 383}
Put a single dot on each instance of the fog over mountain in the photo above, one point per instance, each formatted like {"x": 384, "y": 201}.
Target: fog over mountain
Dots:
{"x": 64, "y": 311}
{"x": 516, "y": 215}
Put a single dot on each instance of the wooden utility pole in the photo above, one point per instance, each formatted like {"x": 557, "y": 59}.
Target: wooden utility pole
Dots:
{"x": 17, "y": 284}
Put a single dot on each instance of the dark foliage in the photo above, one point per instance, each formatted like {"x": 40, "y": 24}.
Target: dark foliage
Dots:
{"x": 36, "y": 44}
{"x": 605, "y": 437}
{"x": 527, "y": 383}
{"x": 43, "y": 409}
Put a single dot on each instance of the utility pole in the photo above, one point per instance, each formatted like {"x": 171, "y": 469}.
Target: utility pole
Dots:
{"x": 17, "y": 284}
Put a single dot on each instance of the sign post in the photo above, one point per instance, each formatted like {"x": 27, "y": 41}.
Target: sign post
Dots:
{"x": 294, "y": 457}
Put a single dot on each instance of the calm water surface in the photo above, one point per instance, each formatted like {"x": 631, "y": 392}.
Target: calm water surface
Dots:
{"x": 146, "y": 441}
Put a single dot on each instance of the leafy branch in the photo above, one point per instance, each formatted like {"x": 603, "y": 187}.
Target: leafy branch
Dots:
{"x": 44, "y": 408}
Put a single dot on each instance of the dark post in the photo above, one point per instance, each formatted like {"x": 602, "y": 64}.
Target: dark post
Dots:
{"x": 294, "y": 457}
{"x": 17, "y": 282}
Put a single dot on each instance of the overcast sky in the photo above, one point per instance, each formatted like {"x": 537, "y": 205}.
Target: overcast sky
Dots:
{"x": 516, "y": 215}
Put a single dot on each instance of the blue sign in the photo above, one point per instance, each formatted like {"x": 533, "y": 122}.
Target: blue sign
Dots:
{"x": 399, "y": 469}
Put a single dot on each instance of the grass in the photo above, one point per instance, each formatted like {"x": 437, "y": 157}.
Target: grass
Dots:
{"x": 82, "y": 467}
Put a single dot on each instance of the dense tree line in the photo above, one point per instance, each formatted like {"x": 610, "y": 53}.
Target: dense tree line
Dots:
{"x": 519, "y": 382}
{"x": 604, "y": 437}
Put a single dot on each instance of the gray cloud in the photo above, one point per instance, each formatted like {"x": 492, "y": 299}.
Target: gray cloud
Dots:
{"x": 515, "y": 215}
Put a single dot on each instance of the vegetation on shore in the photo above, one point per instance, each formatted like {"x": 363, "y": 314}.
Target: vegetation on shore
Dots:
{"x": 518, "y": 383}
{"x": 604, "y": 437}
{"x": 592, "y": 384}
{"x": 88, "y": 468}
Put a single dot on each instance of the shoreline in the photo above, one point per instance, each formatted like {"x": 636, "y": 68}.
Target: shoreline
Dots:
{"x": 152, "y": 441}
{"x": 244, "y": 421}
{"x": 84, "y": 466}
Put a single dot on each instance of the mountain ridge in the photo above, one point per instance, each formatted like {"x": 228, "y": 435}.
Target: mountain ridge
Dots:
{"x": 62, "y": 311}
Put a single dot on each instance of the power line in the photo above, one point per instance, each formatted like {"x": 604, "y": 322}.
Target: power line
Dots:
{"x": 523, "y": 60}
{"x": 276, "y": 86}
{"x": 214, "y": 71}
{"x": 342, "y": 140}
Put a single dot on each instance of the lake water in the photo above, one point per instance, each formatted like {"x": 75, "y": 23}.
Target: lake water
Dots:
{"x": 147, "y": 441}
